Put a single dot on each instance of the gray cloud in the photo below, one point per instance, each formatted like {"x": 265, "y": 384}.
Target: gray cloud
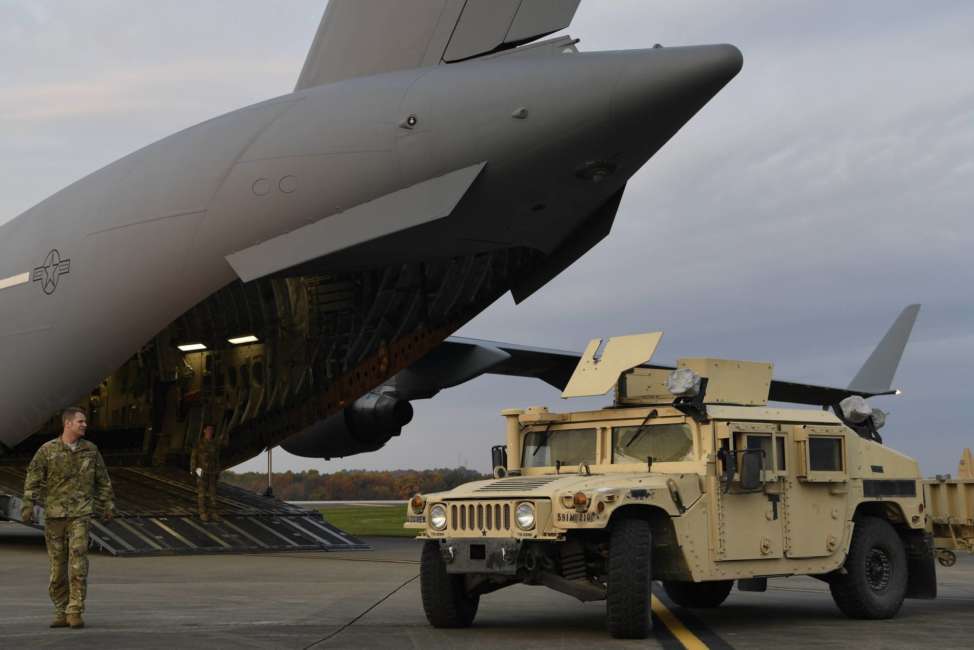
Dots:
{"x": 823, "y": 189}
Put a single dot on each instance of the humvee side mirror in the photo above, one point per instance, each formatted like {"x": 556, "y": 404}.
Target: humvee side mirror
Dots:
{"x": 729, "y": 461}
{"x": 751, "y": 465}
{"x": 498, "y": 457}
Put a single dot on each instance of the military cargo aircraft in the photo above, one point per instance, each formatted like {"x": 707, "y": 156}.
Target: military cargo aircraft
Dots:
{"x": 266, "y": 269}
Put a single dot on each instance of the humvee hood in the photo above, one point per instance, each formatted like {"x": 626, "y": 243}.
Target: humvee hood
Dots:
{"x": 546, "y": 485}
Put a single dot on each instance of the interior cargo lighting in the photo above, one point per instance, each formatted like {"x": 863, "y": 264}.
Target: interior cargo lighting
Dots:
{"x": 191, "y": 347}
{"x": 241, "y": 340}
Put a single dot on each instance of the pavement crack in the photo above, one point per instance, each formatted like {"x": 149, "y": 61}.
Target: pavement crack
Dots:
{"x": 356, "y": 619}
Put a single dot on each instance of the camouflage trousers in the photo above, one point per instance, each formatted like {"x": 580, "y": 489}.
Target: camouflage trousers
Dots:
{"x": 206, "y": 492}
{"x": 67, "y": 548}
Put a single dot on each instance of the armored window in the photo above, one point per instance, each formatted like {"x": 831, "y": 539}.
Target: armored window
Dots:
{"x": 663, "y": 442}
{"x": 569, "y": 446}
{"x": 825, "y": 454}
{"x": 762, "y": 442}
{"x": 779, "y": 443}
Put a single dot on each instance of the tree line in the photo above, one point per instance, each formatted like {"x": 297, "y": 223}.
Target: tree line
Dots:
{"x": 311, "y": 485}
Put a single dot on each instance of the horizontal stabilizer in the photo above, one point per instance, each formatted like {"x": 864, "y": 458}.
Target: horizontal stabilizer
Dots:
{"x": 359, "y": 38}
{"x": 413, "y": 206}
{"x": 876, "y": 375}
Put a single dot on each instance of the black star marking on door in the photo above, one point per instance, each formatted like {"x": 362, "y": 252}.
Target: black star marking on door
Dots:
{"x": 48, "y": 274}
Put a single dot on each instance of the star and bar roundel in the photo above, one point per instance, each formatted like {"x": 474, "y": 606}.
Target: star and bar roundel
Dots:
{"x": 53, "y": 268}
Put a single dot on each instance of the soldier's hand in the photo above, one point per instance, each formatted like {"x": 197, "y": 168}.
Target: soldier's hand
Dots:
{"x": 108, "y": 516}
{"x": 27, "y": 515}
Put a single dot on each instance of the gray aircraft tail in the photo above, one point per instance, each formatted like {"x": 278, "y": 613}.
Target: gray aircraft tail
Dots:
{"x": 876, "y": 375}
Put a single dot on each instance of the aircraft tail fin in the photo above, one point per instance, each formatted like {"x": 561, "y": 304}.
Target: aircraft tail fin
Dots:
{"x": 876, "y": 375}
{"x": 358, "y": 38}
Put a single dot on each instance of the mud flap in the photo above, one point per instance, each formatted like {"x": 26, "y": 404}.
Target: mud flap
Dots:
{"x": 922, "y": 580}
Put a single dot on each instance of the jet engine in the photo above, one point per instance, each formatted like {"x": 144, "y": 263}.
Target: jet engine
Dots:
{"x": 366, "y": 425}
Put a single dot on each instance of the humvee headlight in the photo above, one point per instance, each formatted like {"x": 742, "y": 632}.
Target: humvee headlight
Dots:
{"x": 417, "y": 503}
{"x": 438, "y": 516}
{"x": 524, "y": 515}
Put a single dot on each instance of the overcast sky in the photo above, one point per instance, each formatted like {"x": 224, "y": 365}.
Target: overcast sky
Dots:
{"x": 829, "y": 185}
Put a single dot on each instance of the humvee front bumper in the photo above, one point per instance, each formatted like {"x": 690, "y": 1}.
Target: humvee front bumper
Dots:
{"x": 492, "y": 556}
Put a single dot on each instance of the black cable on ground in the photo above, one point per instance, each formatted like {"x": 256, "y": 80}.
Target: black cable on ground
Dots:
{"x": 354, "y": 620}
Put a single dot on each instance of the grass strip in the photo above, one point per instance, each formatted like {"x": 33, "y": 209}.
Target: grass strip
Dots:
{"x": 372, "y": 521}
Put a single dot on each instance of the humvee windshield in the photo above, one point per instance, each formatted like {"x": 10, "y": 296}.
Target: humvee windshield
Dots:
{"x": 664, "y": 442}
{"x": 570, "y": 446}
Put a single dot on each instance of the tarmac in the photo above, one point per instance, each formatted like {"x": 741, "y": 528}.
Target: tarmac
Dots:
{"x": 370, "y": 599}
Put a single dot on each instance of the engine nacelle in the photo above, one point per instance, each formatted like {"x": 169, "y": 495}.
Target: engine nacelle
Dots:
{"x": 366, "y": 425}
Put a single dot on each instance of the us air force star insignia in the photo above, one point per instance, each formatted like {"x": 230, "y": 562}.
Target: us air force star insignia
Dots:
{"x": 54, "y": 267}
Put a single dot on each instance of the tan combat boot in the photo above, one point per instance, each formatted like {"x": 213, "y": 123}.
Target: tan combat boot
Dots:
{"x": 60, "y": 620}
{"x": 75, "y": 621}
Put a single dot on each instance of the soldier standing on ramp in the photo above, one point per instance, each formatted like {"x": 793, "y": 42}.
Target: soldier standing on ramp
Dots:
{"x": 69, "y": 477}
{"x": 204, "y": 463}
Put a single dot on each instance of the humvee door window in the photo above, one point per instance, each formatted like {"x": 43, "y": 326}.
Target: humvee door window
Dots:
{"x": 780, "y": 446}
{"x": 763, "y": 443}
{"x": 825, "y": 454}
{"x": 664, "y": 442}
{"x": 570, "y": 446}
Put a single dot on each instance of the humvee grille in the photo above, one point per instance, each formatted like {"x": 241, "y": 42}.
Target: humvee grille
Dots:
{"x": 480, "y": 517}
{"x": 518, "y": 484}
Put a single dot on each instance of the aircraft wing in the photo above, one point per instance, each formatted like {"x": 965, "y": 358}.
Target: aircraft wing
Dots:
{"x": 359, "y": 38}
{"x": 459, "y": 359}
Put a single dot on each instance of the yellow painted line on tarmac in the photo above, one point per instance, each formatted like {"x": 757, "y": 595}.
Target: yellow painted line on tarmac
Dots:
{"x": 676, "y": 627}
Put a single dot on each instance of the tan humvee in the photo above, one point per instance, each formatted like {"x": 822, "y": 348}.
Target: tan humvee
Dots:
{"x": 689, "y": 477}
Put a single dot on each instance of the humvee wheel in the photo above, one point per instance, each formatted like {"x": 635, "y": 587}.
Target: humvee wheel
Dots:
{"x": 445, "y": 600}
{"x": 630, "y": 580}
{"x": 698, "y": 594}
{"x": 876, "y": 575}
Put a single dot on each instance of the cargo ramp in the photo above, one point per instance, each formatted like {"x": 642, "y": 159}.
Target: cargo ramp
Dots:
{"x": 156, "y": 515}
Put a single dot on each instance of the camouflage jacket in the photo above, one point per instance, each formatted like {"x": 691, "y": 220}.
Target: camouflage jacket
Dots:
{"x": 206, "y": 455}
{"x": 68, "y": 483}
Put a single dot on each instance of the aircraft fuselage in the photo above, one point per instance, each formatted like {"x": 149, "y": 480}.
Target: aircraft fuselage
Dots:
{"x": 94, "y": 273}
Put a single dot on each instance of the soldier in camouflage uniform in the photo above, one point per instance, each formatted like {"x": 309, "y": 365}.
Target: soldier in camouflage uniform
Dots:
{"x": 204, "y": 463}
{"x": 68, "y": 477}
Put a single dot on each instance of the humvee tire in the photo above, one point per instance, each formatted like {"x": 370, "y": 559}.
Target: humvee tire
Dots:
{"x": 698, "y": 594}
{"x": 876, "y": 579}
{"x": 445, "y": 600}
{"x": 630, "y": 580}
